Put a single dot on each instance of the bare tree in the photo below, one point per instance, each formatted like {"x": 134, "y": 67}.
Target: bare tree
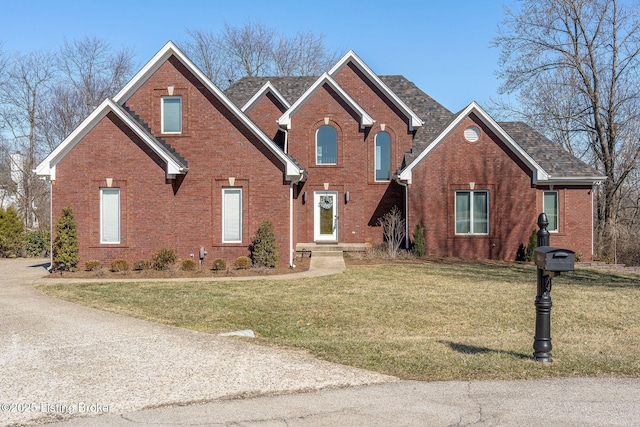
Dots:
{"x": 43, "y": 97}
{"x": 304, "y": 54}
{"x": 27, "y": 84}
{"x": 573, "y": 65}
{"x": 393, "y": 230}
{"x": 93, "y": 70}
{"x": 255, "y": 49}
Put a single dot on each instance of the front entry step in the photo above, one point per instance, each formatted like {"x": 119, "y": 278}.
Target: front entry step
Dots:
{"x": 316, "y": 248}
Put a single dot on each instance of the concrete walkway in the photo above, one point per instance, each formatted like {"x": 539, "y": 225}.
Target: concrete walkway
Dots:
{"x": 59, "y": 358}
{"x": 75, "y": 366}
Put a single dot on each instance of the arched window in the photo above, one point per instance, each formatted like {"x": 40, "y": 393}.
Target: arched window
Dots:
{"x": 326, "y": 146}
{"x": 383, "y": 156}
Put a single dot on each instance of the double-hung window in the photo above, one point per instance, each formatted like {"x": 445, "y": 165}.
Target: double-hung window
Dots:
{"x": 232, "y": 215}
{"x": 326, "y": 146}
{"x": 472, "y": 212}
{"x": 383, "y": 156}
{"x": 110, "y": 215}
{"x": 550, "y": 208}
{"x": 171, "y": 114}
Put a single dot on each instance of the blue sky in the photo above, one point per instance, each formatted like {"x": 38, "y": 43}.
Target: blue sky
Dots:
{"x": 442, "y": 46}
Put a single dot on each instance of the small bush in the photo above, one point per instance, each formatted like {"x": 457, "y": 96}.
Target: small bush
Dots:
{"x": 11, "y": 233}
{"x": 119, "y": 265}
{"x": 264, "y": 252}
{"x": 141, "y": 264}
{"x": 243, "y": 263}
{"x": 188, "y": 265}
{"x": 65, "y": 246}
{"x": 419, "y": 246}
{"x": 93, "y": 265}
{"x": 219, "y": 265}
{"x": 38, "y": 243}
{"x": 163, "y": 259}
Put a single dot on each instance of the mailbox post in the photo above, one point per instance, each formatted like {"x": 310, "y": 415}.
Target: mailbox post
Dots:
{"x": 550, "y": 262}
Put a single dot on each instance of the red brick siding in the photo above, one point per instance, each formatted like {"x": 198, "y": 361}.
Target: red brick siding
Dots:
{"x": 575, "y": 227}
{"x": 453, "y": 165}
{"x": 186, "y": 214}
{"x": 355, "y": 171}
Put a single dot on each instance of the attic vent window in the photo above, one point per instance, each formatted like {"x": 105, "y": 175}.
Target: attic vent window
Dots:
{"x": 472, "y": 134}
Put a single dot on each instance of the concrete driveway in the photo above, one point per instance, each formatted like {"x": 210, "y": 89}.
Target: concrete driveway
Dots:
{"x": 59, "y": 359}
{"x": 75, "y": 366}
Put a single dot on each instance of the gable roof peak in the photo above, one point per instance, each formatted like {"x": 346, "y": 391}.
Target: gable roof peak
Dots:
{"x": 292, "y": 170}
{"x": 365, "y": 119}
{"x": 352, "y": 58}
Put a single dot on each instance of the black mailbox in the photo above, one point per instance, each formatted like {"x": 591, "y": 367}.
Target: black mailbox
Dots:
{"x": 549, "y": 258}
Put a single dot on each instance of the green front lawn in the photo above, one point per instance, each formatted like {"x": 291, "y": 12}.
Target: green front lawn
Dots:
{"x": 431, "y": 321}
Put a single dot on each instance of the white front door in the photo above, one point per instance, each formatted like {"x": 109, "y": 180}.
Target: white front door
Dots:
{"x": 326, "y": 216}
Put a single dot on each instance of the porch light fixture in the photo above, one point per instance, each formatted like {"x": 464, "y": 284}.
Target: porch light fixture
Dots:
{"x": 304, "y": 197}
{"x": 347, "y": 196}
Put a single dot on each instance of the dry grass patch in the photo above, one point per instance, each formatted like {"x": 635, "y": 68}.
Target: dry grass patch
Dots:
{"x": 430, "y": 321}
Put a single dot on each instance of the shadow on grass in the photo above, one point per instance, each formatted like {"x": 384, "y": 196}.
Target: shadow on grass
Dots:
{"x": 472, "y": 349}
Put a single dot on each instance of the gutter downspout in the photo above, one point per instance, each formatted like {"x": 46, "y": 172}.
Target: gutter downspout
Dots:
{"x": 291, "y": 248}
{"x": 50, "y": 226}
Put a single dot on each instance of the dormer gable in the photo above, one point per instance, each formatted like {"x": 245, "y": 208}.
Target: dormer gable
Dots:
{"x": 268, "y": 88}
{"x": 365, "y": 119}
{"x": 351, "y": 58}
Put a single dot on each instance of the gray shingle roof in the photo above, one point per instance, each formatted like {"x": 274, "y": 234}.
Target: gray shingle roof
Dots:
{"x": 550, "y": 156}
{"x": 291, "y": 88}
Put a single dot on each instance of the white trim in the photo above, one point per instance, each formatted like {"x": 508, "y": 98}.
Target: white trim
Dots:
{"x": 471, "y": 201}
{"x": 115, "y": 191}
{"x": 539, "y": 174}
{"x": 350, "y": 57}
{"x": 544, "y": 209}
{"x": 375, "y": 158}
{"x": 292, "y": 170}
{"x": 365, "y": 119}
{"x": 48, "y": 166}
{"x": 162, "y": 99}
{"x": 224, "y": 192}
{"x": 316, "y": 152}
{"x": 316, "y": 217}
{"x": 267, "y": 87}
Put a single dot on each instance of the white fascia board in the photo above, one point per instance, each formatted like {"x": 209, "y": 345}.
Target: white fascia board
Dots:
{"x": 365, "y": 119}
{"x": 572, "y": 180}
{"x": 173, "y": 167}
{"x": 539, "y": 174}
{"x": 414, "y": 120}
{"x": 47, "y": 166}
{"x": 171, "y": 49}
{"x": 268, "y": 87}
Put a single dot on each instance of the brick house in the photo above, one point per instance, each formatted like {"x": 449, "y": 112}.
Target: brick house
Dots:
{"x": 172, "y": 161}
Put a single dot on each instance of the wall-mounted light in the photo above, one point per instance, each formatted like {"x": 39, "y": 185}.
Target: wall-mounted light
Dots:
{"x": 347, "y": 196}
{"x": 304, "y": 197}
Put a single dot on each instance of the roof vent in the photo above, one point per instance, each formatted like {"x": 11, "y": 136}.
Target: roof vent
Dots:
{"x": 472, "y": 134}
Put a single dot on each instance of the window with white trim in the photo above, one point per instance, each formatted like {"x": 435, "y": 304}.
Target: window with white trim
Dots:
{"x": 550, "y": 207}
{"x": 472, "y": 212}
{"x": 383, "y": 156}
{"x": 110, "y": 215}
{"x": 326, "y": 146}
{"x": 171, "y": 114}
{"x": 232, "y": 215}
